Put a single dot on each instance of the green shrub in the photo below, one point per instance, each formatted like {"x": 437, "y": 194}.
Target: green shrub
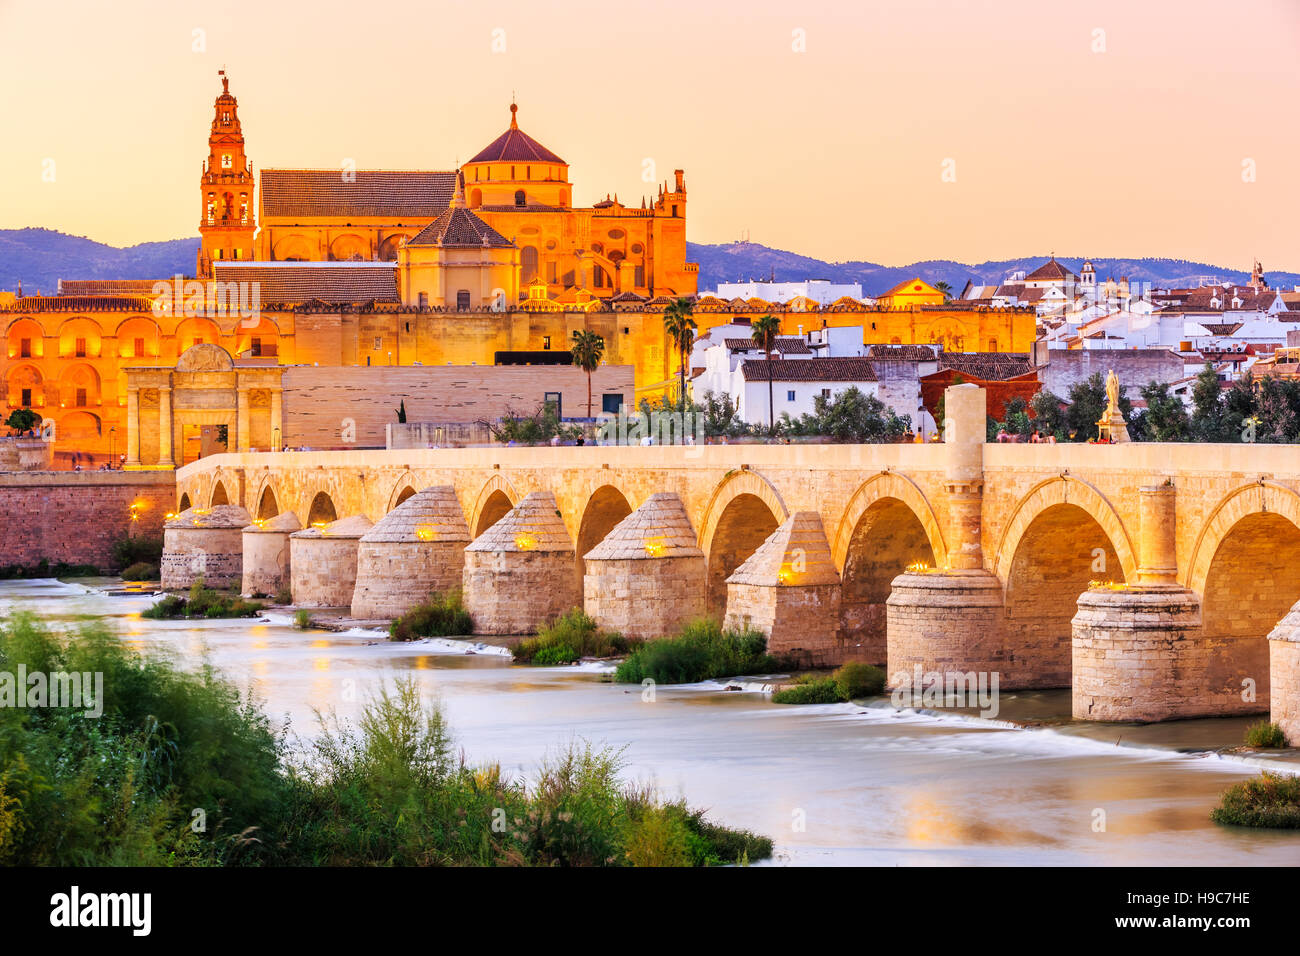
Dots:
{"x": 1265, "y": 735}
{"x": 141, "y": 571}
{"x": 702, "y": 650}
{"x": 302, "y": 619}
{"x": 570, "y": 637}
{"x": 856, "y": 679}
{"x": 440, "y": 616}
{"x": 822, "y": 690}
{"x": 141, "y": 550}
{"x": 203, "y": 602}
{"x": 284, "y": 596}
{"x": 44, "y": 569}
{"x": 1269, "y": 800}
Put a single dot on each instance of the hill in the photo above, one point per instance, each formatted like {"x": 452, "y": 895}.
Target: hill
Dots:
{"x": 40, "y": 257}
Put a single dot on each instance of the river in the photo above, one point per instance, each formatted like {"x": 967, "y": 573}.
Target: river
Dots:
{"x": 837, "y": 784}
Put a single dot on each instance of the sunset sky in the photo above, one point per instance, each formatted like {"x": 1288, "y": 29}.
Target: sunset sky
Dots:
{"x": 835, "y": 152}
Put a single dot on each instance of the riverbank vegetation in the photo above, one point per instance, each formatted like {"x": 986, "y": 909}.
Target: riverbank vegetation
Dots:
{"x": 1265, "y": 736}
{"x": 700, "y": 651}
{"x": 442, "y": 615}
{"x": 569, "y": 638}
{"x": 851, "y": 681}
{"x": 45, "y": 569}
{"x": 203, "y": 602}
{"x": 141, "y": 571}
{"x": 180, "y": 770}
{"x": 1269, "y": 800}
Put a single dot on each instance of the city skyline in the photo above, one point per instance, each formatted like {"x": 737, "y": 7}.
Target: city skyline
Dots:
{"x": 956, "y": 136}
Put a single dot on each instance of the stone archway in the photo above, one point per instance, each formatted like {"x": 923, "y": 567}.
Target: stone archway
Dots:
{"x": 321, "y": 510}
{"x": 605, "y": 508}
{"x": 885, "y": 486}
{"x": 495, "y": 499}
{"x": 742, "y": 513}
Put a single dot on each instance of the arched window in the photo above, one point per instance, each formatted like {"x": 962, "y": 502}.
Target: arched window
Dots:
{"x": 528, "y": 262}
{"x": 520, "y": 198}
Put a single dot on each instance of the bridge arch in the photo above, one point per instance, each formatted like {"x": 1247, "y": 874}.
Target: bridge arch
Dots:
{"x": 887, "y": 526}
{"x": 605, "y": 507}
{"x": 743, "y": 511}
{"x": 268, "y": 506}
{"x": 1246, "y": 570}
{"x": 219, "y": 494}
{"x": 184, "y": 503}
{"x": 495, "y": 499}
{"x": 1063, "y": 536}
{"x": 405, "y": 487}
{"x": 321, "y": 509}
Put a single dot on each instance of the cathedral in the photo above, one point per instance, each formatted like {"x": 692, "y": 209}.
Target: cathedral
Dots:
{"x": 487, "y": 265}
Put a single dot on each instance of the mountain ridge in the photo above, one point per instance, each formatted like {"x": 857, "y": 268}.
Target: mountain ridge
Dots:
{"x": 40, "y": 257}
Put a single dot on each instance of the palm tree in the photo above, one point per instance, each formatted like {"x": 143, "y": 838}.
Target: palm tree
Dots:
{"x": 764, "y": 332}
{"x": 681, "y": 330}
{"x": 945, "y": 288}
{"x": 588, "y": 349}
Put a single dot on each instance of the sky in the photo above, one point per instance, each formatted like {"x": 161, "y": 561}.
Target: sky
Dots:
{"x": 882, "y": 130}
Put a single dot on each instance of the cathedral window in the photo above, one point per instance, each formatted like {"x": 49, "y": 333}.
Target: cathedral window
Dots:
{"x": 520, "y": 198}
{"x": 81, "y": 398}
{"x": 225, "y": 118}
{"x": 528, "y": 263}
{"x": 226, "y": 163}
{"x": 138, "y": 351}
{"x": 25, "y": 348}
{"x": 462, "y": 300}
{"x": 81, "y": 348}
{"x": 546, "y": 342}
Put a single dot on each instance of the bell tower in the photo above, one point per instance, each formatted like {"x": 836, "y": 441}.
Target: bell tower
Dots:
{"x": 228, "y": 218}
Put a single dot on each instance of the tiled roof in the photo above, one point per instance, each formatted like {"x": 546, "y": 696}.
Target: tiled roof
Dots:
{"x": 901, "y": 353}
{"x": 797, "y": 554}
{"x": 109, "y": 286}
{"x": 292, "y": 282}
{"x": 660, "y": 528}
{"x": 532, "y": 525}
{"x": 515, "y": 146}
{"x": 397, "y": 194}
{"x": 1051, "y": 269}
{"x": 457, "y": 226}
{"x": 810, "y": 370}
{"x": 989, "y": 366}
{"x": 786, "y": 345}
{"x": 431, "y": 515}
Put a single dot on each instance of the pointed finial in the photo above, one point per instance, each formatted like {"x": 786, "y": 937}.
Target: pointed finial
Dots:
{"x": 225, "y": 81}
{"x": 514, "y": 108}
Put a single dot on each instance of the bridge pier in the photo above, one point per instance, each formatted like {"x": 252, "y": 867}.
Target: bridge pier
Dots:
{"x": 789, "y": 590}
{"x": 204, "y": 543}
{"x": 266, "y": 554}
{"x": 949, "y": 620}
{"x": 1284, "y": 676}
{"x": 519, "y": 574}
{"x": 415, "y": 550}
{"x": 647, "y": 577}
{"x": 323, "y": 562}
{"x": 1138, "y": 651}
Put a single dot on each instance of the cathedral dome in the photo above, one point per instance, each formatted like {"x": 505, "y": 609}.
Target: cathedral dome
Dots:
{"x": 515, "y": 146}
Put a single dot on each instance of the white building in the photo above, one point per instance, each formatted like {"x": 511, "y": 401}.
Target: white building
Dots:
{"x": 821, "y": 291}
{"x": 796, "y": 385}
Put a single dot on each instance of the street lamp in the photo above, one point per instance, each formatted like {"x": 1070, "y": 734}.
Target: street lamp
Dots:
{"x": 112, "y": 445}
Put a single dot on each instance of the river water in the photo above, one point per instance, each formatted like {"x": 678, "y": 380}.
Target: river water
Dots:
{"x": 837, "y": 784}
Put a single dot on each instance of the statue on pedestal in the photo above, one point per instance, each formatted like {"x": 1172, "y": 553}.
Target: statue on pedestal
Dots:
{"x": 1112, "y": 426}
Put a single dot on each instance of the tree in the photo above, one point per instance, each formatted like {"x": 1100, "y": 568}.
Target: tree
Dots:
{"x": 1207, "y": 408}
{"x": 1165, "y": 419}
{"x": 1088, "y": 404}
{"x": 23, "y": 419}
{"x": 588, "y": 349}
{"x": 851, "y": 416}
{"x": 945, "y": 288}
{"x": 401, "y": 413}
{"x": 1049, "y": 414}
{"x": 681, "y": 332}
{"x": 764, "y": 332}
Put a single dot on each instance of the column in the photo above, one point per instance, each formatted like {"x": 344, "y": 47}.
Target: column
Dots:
{"x": 241, "y": 419}
{"x": 1157, "y": 547}
{"x": 963, "y": 435}
{"x": 165, "y": 427}
{"x": 277, "y": 423}
{"x": 132, "y": 426}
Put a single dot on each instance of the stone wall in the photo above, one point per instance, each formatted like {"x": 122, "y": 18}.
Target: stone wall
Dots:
{"x": 318, "y": 401}
{"x": 644, "y": 597}
{"x": 76, "y": 517}
{"x": 1134, "y": 368}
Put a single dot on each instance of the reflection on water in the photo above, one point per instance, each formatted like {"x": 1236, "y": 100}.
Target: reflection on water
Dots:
{"x": 833, "y": 784}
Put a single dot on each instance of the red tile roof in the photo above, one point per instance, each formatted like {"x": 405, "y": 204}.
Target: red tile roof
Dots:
{"x": 515, "y": 146}
{"x": 901, "y": 353}
{"x": 810, "y": 370}
{"x": 786, "y": 345}
{"x": 396, "y": 194}
{"x": 81, "y": 303}
{"x": 989, "y": 366}
{"x": 296, "y": 282}
{"x": 458, "y": 226}
{"x": 1051, "y": 269}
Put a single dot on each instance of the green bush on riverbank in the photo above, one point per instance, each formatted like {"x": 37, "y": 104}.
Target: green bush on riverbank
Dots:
{"x": 702, "y": 650}
{"x": 1269, "y": 800}
{"x": 441, "y": 616}
{"x": 851, "y": 680}
{"x": 1265, "y": 735}
{"x": 174, "y": 748}
{"x": 44, "y": 569}
{"x": 141, "y": 571}
{"x": 202, "y": 602}
{"x": 569, "y": 638}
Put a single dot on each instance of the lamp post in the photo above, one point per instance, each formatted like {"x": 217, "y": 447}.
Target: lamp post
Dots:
{"x": 112, "y": 445}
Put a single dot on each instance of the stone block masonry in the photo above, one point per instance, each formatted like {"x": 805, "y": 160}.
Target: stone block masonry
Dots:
{"x": 75, "y": 517}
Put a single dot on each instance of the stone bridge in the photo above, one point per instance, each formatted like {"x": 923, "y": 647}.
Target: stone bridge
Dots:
{"x": 1146, "y": 576}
